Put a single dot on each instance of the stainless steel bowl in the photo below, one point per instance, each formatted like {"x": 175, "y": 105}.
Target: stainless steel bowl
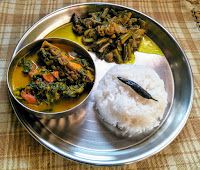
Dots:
{"x": 82, "y": 137}
{"x": 36, "y": 45}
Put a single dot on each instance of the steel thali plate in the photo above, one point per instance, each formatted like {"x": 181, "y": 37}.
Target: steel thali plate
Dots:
{"x": 81, "y": 136}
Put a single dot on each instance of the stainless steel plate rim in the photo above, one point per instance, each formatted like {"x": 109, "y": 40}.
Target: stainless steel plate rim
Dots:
{"x": 131, "y": 155}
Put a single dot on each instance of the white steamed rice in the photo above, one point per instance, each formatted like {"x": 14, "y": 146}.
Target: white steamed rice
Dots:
{"x": 121, "y": 106}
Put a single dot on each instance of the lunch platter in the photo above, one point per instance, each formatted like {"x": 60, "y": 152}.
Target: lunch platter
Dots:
{"x": 82, "y": 136}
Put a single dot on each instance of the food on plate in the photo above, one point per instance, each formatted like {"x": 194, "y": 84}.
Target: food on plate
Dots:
{"x": 122, "y": 107}
{"x": 137, "y": 88}
{"x": 112, "y": 35}
{"x": 52, "y": 79}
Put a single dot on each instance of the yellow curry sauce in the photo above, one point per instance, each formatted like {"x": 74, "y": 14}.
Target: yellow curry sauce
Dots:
{"x": 65, "y": 31}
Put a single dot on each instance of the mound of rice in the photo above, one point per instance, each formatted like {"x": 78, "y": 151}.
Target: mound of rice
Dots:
{"x": 121, "y": 106}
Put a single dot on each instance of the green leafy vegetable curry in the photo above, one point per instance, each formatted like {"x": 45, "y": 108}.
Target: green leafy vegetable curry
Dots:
{"x": 52, "y": 79}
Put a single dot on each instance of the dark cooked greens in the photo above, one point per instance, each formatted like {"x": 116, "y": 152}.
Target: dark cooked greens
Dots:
{"x": 26, "y": 65}
{"x": 112, "y": 35}
{"x": 57, "y": 75}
